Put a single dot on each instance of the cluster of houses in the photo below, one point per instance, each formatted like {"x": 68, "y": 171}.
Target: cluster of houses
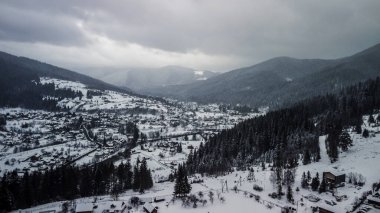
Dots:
{"x": 81, "y": 129}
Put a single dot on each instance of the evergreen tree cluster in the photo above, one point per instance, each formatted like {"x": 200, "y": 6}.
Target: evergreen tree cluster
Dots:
{"x": 142, "y": 177}
{"x": 315, "y": 183}
{"x": 92, "y": 93}
{"x": 182, "y": 186}
{"x": 296, "y": 128}
{"x": 69, "y": 182}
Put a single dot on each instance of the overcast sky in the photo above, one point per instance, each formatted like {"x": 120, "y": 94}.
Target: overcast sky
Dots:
{"x": 215, "y": 35}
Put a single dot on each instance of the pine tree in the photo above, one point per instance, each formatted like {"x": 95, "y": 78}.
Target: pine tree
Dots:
{"x": 289, "y": 176}
{"x": 128, "y": 176}
{"x": 345, "y": 140}
{"x": 365, "y": 133}
{"x": 136, "y": 179}
{"x": 304, "y": 183}
{"x": 182, "y": 186}
{"x": 308, "y": 176}
{"x": 289, "y": 194}
{"x": 322, "y": 187}
{"x": 27, "y": 191}
{"x": 306, "y": 158}
{"x": 6, "y": 199}
{"x": 315, "y": 183}
{"x": 358, "y": 126}
{"x": 279, "y": 178}
{"x": 332, "y": 142}
{"x": 371, "y": 119}
{"x": 318, "y": 156}
{"x": 3, "y": 120}
{"x": 143, "y": 171}
{"x": 149, "y": 179}
{"x": 179, "y": 148}
{"x": 211, "y": 196}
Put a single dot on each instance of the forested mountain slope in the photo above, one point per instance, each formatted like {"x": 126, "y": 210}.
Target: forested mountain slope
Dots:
{"x": 280, "y": 81}
{"x": 19, "y": 83}
{"x": 284, "y": 135}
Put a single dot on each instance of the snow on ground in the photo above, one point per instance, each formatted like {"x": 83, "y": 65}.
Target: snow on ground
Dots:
{"x": 234, "y": 203}
{"x": 107, "y": 100}
{"x": 363, "y": 157}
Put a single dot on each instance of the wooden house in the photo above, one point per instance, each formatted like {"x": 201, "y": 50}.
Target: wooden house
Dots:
{"x": 334, "y": 180}
{"x": 148, "y": 208}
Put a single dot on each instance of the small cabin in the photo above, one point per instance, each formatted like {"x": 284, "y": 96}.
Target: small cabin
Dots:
{"x": 148, "y": 208}
{"x": 84, "y": 208}
{"x": 334, "y": 180}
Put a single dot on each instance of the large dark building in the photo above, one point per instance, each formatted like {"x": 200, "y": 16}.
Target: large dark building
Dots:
{"x": 333, "y": 180}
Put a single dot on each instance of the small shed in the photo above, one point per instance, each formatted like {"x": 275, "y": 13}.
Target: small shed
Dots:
{"x": 84, "y": 208}
{"x": 148, "y": 208}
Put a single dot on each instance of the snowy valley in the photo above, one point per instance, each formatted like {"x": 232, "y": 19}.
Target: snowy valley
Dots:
{"x": 106, "y": 126}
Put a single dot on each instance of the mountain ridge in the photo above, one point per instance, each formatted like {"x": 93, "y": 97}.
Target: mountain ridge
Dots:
{"x": 274, "y": 81}
{"x": 45, "y": 69}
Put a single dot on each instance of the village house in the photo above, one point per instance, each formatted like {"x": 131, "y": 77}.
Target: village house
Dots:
{"x": 148, "y": 208}
{"x": 116, "y": 207}
{"x": 334, "y": 180}
{"x": 84, "y": 208}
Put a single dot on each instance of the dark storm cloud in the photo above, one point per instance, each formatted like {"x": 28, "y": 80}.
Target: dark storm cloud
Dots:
{"x": 243, "y": 31}
{"x": 28, "y": 25}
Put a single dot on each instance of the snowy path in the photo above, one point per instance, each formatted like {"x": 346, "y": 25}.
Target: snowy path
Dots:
{"x": 323, "y": 150}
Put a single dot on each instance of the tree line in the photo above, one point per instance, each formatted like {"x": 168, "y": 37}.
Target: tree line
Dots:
{"x": 70, "y": 182}
{"x": 294, "y": 131}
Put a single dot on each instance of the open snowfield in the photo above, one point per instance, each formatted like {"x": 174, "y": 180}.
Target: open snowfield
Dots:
{"x": 108, "y": 99}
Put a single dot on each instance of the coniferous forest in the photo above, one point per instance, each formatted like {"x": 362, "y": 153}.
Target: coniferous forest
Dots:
{"x": 285, "y": 136}
{"x": 70, "y": 182}
{"x": 21, "y": 87}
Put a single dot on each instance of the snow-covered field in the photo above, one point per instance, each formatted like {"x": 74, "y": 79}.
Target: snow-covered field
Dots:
{"x": 363, "y": 157}
{"x": 108, "y": 99}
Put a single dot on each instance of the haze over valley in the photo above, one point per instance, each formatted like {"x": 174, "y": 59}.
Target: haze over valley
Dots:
{"x": 189, "y": 106}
